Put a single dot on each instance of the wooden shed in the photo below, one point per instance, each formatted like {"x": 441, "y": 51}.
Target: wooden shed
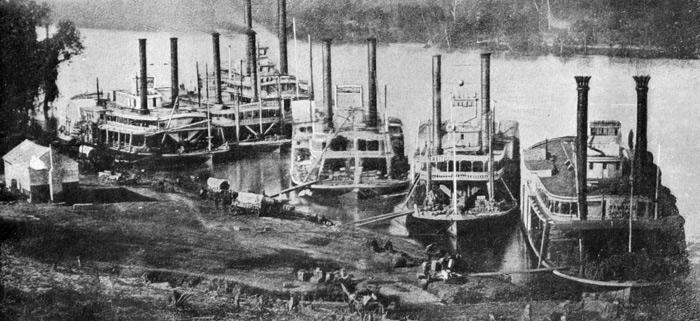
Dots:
{"x": 41, "y": 173}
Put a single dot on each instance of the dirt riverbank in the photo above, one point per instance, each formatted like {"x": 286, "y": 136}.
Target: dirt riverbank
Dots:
{"x": 123, "y": 261}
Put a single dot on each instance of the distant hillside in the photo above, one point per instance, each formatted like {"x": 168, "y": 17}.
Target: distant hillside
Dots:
{"x": 152, "y": 15}
{"x": 647, "y": 28}
{"x": 668, "y": 28}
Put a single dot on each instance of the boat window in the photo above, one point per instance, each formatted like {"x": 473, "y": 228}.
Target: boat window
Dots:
{"x": 590, "y": 165}
{"x": 361, "y": 144}
{"x": 617, "y": 165}
{"x": 605, "y": 165}
{"x": 373, "y": 145}
{"x": 442, "y": 166}
{"x": 574, "y": 209}
{"x": 565, "y": 208}
{"x": 465, "y": 166}
{"x": 450, "y": 166}
{"x": 478, "y": 166}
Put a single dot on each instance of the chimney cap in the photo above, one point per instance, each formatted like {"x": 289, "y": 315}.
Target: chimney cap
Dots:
{"x": 582, "y": 81}
{"x": 642, "y": 81}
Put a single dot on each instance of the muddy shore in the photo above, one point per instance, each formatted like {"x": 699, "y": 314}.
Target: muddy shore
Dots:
{"x": 127, "y": 260}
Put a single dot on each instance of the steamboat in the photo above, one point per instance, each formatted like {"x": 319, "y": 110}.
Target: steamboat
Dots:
{"x": 598, "y": 208}
{"x": 346, "y": 150}
{"x": 141, "y": 124}
{"x": 465, "y": 170}
{"x": 250, "y": 110}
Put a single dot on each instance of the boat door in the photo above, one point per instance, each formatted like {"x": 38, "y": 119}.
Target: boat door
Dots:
{"x": 606, "y": 170}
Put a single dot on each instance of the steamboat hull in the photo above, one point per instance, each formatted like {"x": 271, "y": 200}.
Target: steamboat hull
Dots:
{"x": 359, "y": 191}
{"x": 571, "y": 244}
{"x": 465, "y": 225}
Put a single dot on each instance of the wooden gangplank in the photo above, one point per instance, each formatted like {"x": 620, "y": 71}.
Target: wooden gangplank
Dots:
{"x": 379, "y": 218}
{"x": 524, "y": 271}
{"x": 294, "y": 188}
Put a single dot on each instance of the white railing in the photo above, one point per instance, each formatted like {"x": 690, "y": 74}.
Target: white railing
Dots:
{"x": 464, "y": 176}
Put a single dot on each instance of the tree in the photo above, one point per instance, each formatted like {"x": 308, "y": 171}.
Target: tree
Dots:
{"x": 56, "y": 50}
{"x": 28, "y": 67}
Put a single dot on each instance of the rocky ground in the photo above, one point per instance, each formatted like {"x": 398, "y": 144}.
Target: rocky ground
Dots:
{"x": 168, "y": 256}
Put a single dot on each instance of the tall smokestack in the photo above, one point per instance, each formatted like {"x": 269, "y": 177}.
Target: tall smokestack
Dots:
{"x": 485, "y": 101}
{"x": 642, "y": 89}
{"x": 217, "y": 65}
{"x": 327, "y": 82}
{"x": 249, "y": 22}
{"x": 582, "y": 144}
{"x": 282, "y": 34}
{"x": 248, "y": 14}
{"x": 143, "y": 85}
{"x": 372, "y": 79}
{"x": 253, "y": 63}
{"x": 437, "y": 104}
{"x": 174, "y": 82}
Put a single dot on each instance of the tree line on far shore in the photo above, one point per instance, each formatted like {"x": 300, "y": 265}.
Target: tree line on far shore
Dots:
{"x": 29, "y": 67}
{"x": 643, "y": 28}
{"x": 647, "y": 28}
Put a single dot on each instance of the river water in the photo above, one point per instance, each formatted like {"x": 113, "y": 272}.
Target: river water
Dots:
{"x": 539, "y": 92}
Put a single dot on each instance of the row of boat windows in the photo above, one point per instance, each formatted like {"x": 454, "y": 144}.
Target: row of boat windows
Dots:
{"x": 603, "y": 131}
{"x": 362, "y": 145}
{"x": 605, "y": 165}
{"x": 142, "y": 123}
{"x": 568, "y": 208}
{"x": 595, "y": 208}
{"x": 254, "y": 114}
{"x": 462, "y": 166}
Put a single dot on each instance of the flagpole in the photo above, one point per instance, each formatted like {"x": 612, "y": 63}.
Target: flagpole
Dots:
{"x": 454, "y": 155}
{"x": 658, "y": 182}
{"x": 629, "y": 232}
{"x": 296, "y": 55}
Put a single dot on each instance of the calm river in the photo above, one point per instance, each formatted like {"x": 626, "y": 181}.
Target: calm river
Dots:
{"x": 539, "y": 92}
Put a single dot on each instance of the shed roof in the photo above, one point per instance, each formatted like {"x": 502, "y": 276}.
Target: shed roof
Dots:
{"x": 23, "y": 153}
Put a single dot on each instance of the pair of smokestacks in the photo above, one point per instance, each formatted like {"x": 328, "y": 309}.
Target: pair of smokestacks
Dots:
{"x": 581, "y": 143}
{"x": 252, "y": 50}
{"x": 485, "y": 102}
{"x": 373, "y": 120}
{"x": 281, "y": 34}
{"x": 174, "y": 71}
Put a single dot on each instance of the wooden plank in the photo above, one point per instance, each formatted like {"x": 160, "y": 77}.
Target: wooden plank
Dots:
{"x": 525, "y": 271}
{"x": 291, "y": 189}
{"x": 380, "y": 218}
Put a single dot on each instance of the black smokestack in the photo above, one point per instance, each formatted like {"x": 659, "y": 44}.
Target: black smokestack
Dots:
{"x": 143, "y": 85}
{"x": 327, "y": 82}
{"x": 217, "y": 65}
{"x": 485, "y": 101}
{"x": 282, "y": 34}
{"x": 253, "y": 63}
{"x": 437, "y": 103}
{"x": 582, "y": 144}
{"x": 372, "y": 86}
{"x": 248, "y": 14}
{"x": 174, "y": 82}
{"x": 642, "y": 116}
{"x": 249, "y": 22}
